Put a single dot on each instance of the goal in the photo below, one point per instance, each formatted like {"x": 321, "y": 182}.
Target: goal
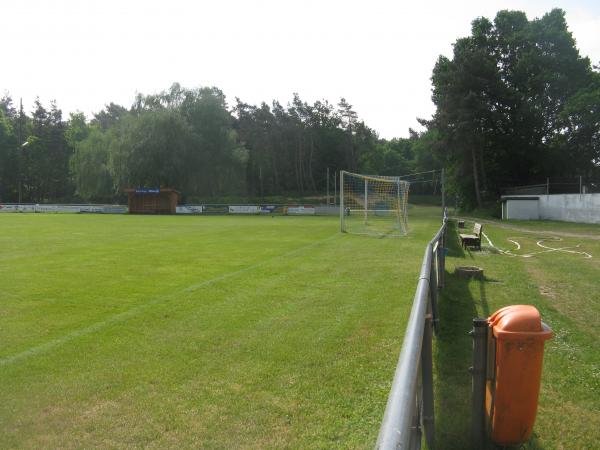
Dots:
{"x": 373, "y": 204}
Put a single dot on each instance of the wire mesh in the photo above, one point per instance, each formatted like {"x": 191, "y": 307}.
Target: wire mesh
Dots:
{"x": 374, "y": 204}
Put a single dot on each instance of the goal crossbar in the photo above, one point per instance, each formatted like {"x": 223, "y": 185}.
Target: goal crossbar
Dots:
{"x": 373, "y": 204}
{"x": 375, "y": 177}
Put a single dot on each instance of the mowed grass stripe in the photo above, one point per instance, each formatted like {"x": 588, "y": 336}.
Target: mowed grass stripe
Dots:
{"x": 298, "y": 352}
{"x": 140, "y": 308}
{"x": 72, "y": 284}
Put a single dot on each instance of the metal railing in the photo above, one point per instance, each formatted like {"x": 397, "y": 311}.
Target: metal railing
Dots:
{"x": 409, "y": 412}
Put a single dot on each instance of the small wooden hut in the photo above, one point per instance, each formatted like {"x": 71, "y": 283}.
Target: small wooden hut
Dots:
{"x": 152, "y": 200}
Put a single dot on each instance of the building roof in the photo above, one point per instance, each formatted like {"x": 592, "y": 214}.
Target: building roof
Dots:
{"x": 519, "y": 197}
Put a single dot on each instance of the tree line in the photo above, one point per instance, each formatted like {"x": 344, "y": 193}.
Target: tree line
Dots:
{"x": 189, "y": 139}
{"x": 516, "y": 103}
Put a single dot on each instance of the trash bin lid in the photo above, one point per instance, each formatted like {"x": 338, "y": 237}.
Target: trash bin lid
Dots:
{"x": 517, "y": 322}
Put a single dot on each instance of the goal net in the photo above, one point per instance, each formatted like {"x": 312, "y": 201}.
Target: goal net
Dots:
{"x": 373, "y": 204}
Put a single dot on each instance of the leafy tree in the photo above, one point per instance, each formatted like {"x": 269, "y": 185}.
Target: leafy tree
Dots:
{"x": 6, "y": 106}
{"x": 219, "y": 161}
{"x": 190, "y": 140}
{"x": 109, "y": 116}
{"x": 89, "y": 166}
{"x": 500, "y": 102}
{"x": 8, "y": 160}
{"x": 151, "y": 149}
{"x": 77, "y": 129}
{"x": 580, "y": 139}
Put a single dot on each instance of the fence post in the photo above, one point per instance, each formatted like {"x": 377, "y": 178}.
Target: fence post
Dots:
{"x": 443, "y": 193}
{"x": 442, "y": 265}
{"x": 409, "y": 411}
{"x": 478, "y": 373}
{"x": 428, "y": 418}
{"x": 328, "y": 186}
{"x": 335, "y": 188}
{"x": 433, "y": 292}
{"x": 342, "y": 212}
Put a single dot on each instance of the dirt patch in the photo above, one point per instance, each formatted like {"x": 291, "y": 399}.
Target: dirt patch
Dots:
{"x": 547, "y": 291}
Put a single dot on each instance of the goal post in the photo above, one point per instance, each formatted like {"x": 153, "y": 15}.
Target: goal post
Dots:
{"x": 373, "y": 204}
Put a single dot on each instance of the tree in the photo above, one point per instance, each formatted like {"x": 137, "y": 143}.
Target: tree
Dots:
{"x": 206, "y": 111}
{"x": 59, "y": 154}
{"x": 500, "y": 102}
{"x": 348, "y": 118}
{"x": 8, "y": 160}
{"x": 109, "y": 116}
{"x": 189, "y": 139}
{"x": 89, "y": 166}
{"x": 7, "y": 108}
{"x": 580, "y": 138}
{"x": 77, "y": 129}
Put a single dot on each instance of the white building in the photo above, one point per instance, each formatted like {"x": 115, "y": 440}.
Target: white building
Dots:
{"x": 583, "y": 208}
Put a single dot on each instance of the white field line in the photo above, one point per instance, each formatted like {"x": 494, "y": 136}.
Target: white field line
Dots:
{"x": 505, "y": 252}
{"x": 563, "y": 249}
{"x": 540, "y": 244}
{"x": 120, "y": 317}
{"x": 488, "y": 239}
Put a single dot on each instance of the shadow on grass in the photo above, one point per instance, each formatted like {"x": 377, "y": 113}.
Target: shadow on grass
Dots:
{"x": 453, "y": 356}
{"x": 453, "y": 241}
{"x": 460, "y": 301}
{"x": 452, "y": 360}
{"x": 485, "y": 309}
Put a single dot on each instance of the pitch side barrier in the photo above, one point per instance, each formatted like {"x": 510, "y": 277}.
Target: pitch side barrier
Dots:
{"x": 409, "y": 411}
{"x": 200, "y": 209}
{"x": 260, "y": 209}
{"x": 62, "y": 208}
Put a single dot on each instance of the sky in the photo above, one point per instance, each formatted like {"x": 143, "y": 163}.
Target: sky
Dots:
{"x": 377, "y": 54}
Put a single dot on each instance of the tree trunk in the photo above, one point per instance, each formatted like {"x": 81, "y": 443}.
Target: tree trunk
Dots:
{"x": 476, "y": 177}
{"x": 275, "y": 183}
{"x": 352, "y": 155}
{"x": 310, "y": 163}
{"x": 296, "y": 144}
{"x": 299, "y": 165}
{"x": 302, "y": 170}
{"x": 484, "y": 183}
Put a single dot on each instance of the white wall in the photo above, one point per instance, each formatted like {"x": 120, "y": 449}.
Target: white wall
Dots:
{"x": 583, "y": 208}
{"x": 522, "y": 209}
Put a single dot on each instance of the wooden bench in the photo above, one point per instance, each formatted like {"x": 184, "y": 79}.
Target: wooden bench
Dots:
{"x": 472, "y": 240}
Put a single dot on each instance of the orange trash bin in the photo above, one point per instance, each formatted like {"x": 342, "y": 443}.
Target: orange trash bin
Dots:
{"x": 517, "y": 335}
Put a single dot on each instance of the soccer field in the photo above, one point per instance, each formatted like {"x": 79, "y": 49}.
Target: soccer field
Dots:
{"x": 168, "y": 331}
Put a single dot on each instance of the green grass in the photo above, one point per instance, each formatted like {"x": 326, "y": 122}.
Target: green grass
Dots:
{"x": 260, "y": 332}
{"x": 555, "y": 226}
{"x": 212, "y": 332}
{"x": 564, "y": 287}
{"x": 552, "y": 226}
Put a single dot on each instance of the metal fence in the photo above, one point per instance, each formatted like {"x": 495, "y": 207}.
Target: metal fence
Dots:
{"x": 292, "y": 209}
{"x": 558, "y": 185}
{"x": 409, "y": 412}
